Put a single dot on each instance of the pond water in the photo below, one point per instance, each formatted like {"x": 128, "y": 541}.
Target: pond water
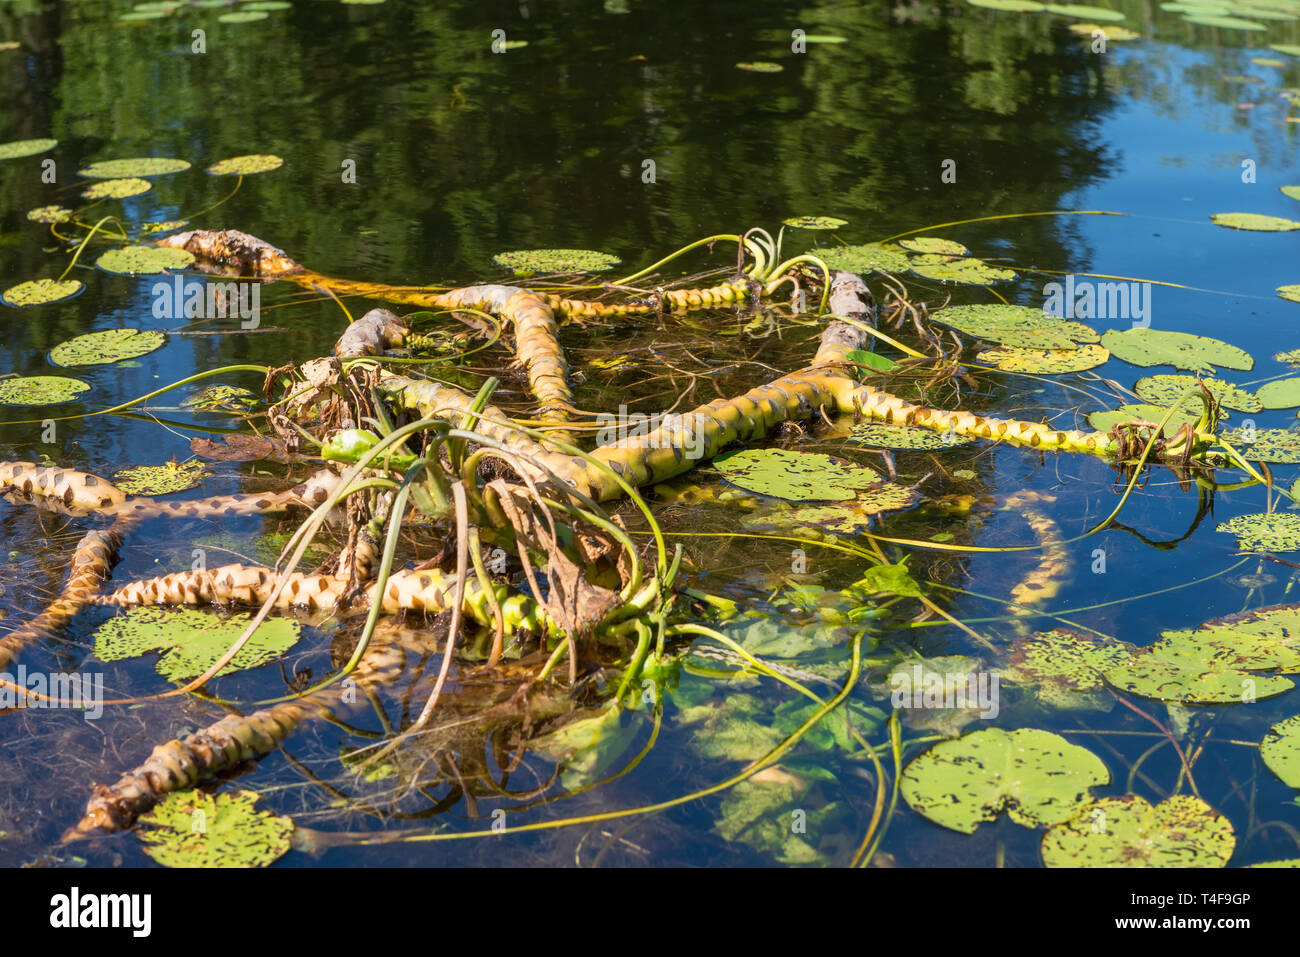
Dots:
{"x": 413, "y": 154}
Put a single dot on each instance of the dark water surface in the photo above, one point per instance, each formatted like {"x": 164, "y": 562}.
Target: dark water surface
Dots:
{"x": 460, "y": 154}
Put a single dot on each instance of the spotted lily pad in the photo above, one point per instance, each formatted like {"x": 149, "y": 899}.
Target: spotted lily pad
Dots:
{"x": 160, "y": 479}
{"x": 40, "y": 390}
{"x": 1083, "y": 12}
{"x": 856, "y": 516}
{"x": 246, "y": 165}
{"x": 50, "y": 214}
{"x": 117, "y": 188}
{"x": 1166, "y": 390}
{"x": 1291, "y": 356}
{"x": 39, "y": 292}
{"x": 1273, "y": 532}
{"x": 815, "y": 222}
{"x": 1037, "y": 777}
{"x": 1016, "y": 326}
{"x": 1280, "y": 394}
{"x": 1045, "y": 361}
{"x": 527, "y": 261}
{"x": 1181, "y": 831}
{"x": 933, "y": 245}
{"x": 222, "y": 398}
{"x": 1191, "y": 681}
{"x": 1066, "y": 667}
{"x": 1289, "y": 292}
{"x": 143, "y": 260}
{"x": 195, "y": 829}
{"x": 759, "y": 66}
{"x": 153, "y": 229}
{"x": 143, "y": 166}
{"x": 191, "y": 640}
{"x": 961, "y": 269}
{"x": 796, "y": 476}
{"x": 1156, "y": 347}
{"x": 904, "y": 437}
{"x": 872, "y": 257}
{"x": 1278, "y": 446}
{"x": 20, "y": 148}
{"x": 1105, "y": 421}
{"x": 1255, "y": 222}
{"x": 1280, "y": 750}
{"x": 110, "y": 345}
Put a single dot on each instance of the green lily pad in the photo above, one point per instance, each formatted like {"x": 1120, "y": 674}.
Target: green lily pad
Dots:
{"x": 1105, "y": 421}
{"x": 1010, "y": 6}
{"x": 1111, "y": 32}
{"x": 1255, "y": 222}
{"x": 50, "y": 214}
{"x": 1280, "y": 750}
{"x": 20, "y": 148}
{"x": 143, "y": 166}
{"x": 111, "y": 345}
{"x": 796, "y": 476}
{"x": 171, "y": 225}
{"x": 40, "y": 390}
{"x": 1291, "y": 49}
{"x": 1277, "y": 446}
{"x": 1155, "y": 347}
{"x": 1275, "y": 532}
{"x": 1292, "y": 191}
{"x": 872, "y": 257}
{"x": 247, "y": 16}
{"x": 1045, "y": 361}
{"x": 588, "y": 747}
{"x": 1166, "y": 390}
{"x": 246, "y": 165}
{"x": 960, "y": 269}
{"x": 759, "y": 66}
{"x": 40, "y": 292}
{"x": 1066, "y": 667}
{"x": 1280, "y": 394}
{"x": 1016, "y": 326}
{"x": 269, "y": 6}
{"x": 194, "y": 829}
{"x": 815, "y": 222}
{"x": 1037, "y": 777}
{"x": 1291, "y": 356}
{"x": 887, "y": 579}
{"x": 1193, "y": 683}
{"x": 933, "y": 245}
{"x": 1226, "y": 23}
{"x": 191, "y": 640}
{"x": 1083, "y": 12}
{"x": 160, "y": 479}
{"x": 117, "y": 188}
{"x": 853, "y": 518}
{"x": 143, "y": 260}
{"x": 1181, "y": 831}
{"x": 556, "y": 260}
{"x": 1290, "y": 292}
{"x": 904, "y": 437}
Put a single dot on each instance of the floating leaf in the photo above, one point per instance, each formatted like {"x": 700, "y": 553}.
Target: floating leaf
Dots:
{"x": 815, "y": 222}
{"x": 1279, "y": 446}
{"x": 1181, "y": 831}
{"x": 1292, "y": 191}
{"x": 139, "y": 167}
{"x": 1226, "y": 23}
{"x": 40, "y": 390}
{"x": 1280, "y": 394}
{"x": 223, "y": 398}
{"x": 1280, "y": 750}
{"x": 9, "y": 45}
{"x": 1292, "y": 293}
{"x": 111, "y": 345}
{"x": 117, "y": 188}
{"x": 143, "y": 260}
{"x": 588, "y": 747}
{"x": 248, "y": 16}
{"x": 961, "y": 269}
{"x": 153, "y": 229}
{"x": 796, "y": 476}
{"x": 50, "y": 214}
{"x": 1166, "y": 390}
{"x": 904, "y": 437}
{"x": 1010, "y": 6}
{"x": 1045, "y": 361}
{"x": 1111, "y": 33}
{"x": 1291, "y": 356}
{"x": 872, "y": 257}
{"x": 195, "y": 829}
{"x": 191, "y": 640}
{"x": 1154, "y": 347}
{"x": 39, "y": 292}
{"x": 246, "y": 165}
{"x": 160, "y": 479}
{"x": 886, "y": 579}
{"x": 1039, "y": 778}
{"x": 1082, "y": 12}
{"x": 933, "y": 245}
{"x": 759, "y": 66}
{"x": 1254, "y": 221}
{"x": 1291, "y": 49}
{"x": 1066, "y": 667}
{"x": 1275, "y": 532}
{"x": 1105, "y": 421}
{"x": 1017, "y": 326}
{"x": 21, "y": 148}
{"x": 824, "y": 38}
{"x": 855, "y": 517}
{"x": 556, "y": 260}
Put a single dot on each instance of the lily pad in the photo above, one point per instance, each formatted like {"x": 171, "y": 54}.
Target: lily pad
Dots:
{"x": 143, "y": 260}
{"x": 195, "y": 829}
{"x": 1280, "y": 750}
{"x": 1105, "y": 421}
{"x": 1111, "y": 32}
{"x": 796, "y": 476}
{"x": 20, "y": 148}
{"x": 40, "y": 390}
{"x": 111, "y": 345}
{"x": 933, "y": 245}
{"x": 588, "y": 747}
{"x": 143, "y": 166}
{"x": 1037, "y": 777}
{"x": 758, "y": 811}
{"x": 1181, "y": 831}
{"x": 1289, "y": 292}
{"x": 191, "y": 640}
{"x": 1255, "y": 222}
{"x": 1166, "y": 390}
{"x": 40, "y": 292}
{"x": 556, "y": 260}
{"x": 871, "y": 257}
{"x": 1045, "y": 361}
{"x": 1010, "y": 6}
{"x": 853, "y": 518}
{"x": 171, "y": 225}
{"x": 1291, "y": 49}
{"x": 1261, "y": 532}
{"x": 246, "y": 165}
{"x": 1278, "y": 446}
{"x": 1280, "y": 394}
{"x": 245, "y": 16}
{"x": 960, "y": 269}
{"x": 160, "y": 479}
{"x": 1016, "y": 326}
{"x": 904, "y": 437}
{"x": 1155, "y": 347}
{"x": 759, "y": 66}
{"x": 117, "y": 188}
{"x": 1291, "y": 356}
{"x": 223, "y": 398}
{"x": 815, "y": 222}
{"x": 1226, "y": 23}
{"x": 1066, "y": 667}
{"x": 50, "y": 214}
{"x": 1292, "y": 191}
{"x": 1083, "y": 12}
